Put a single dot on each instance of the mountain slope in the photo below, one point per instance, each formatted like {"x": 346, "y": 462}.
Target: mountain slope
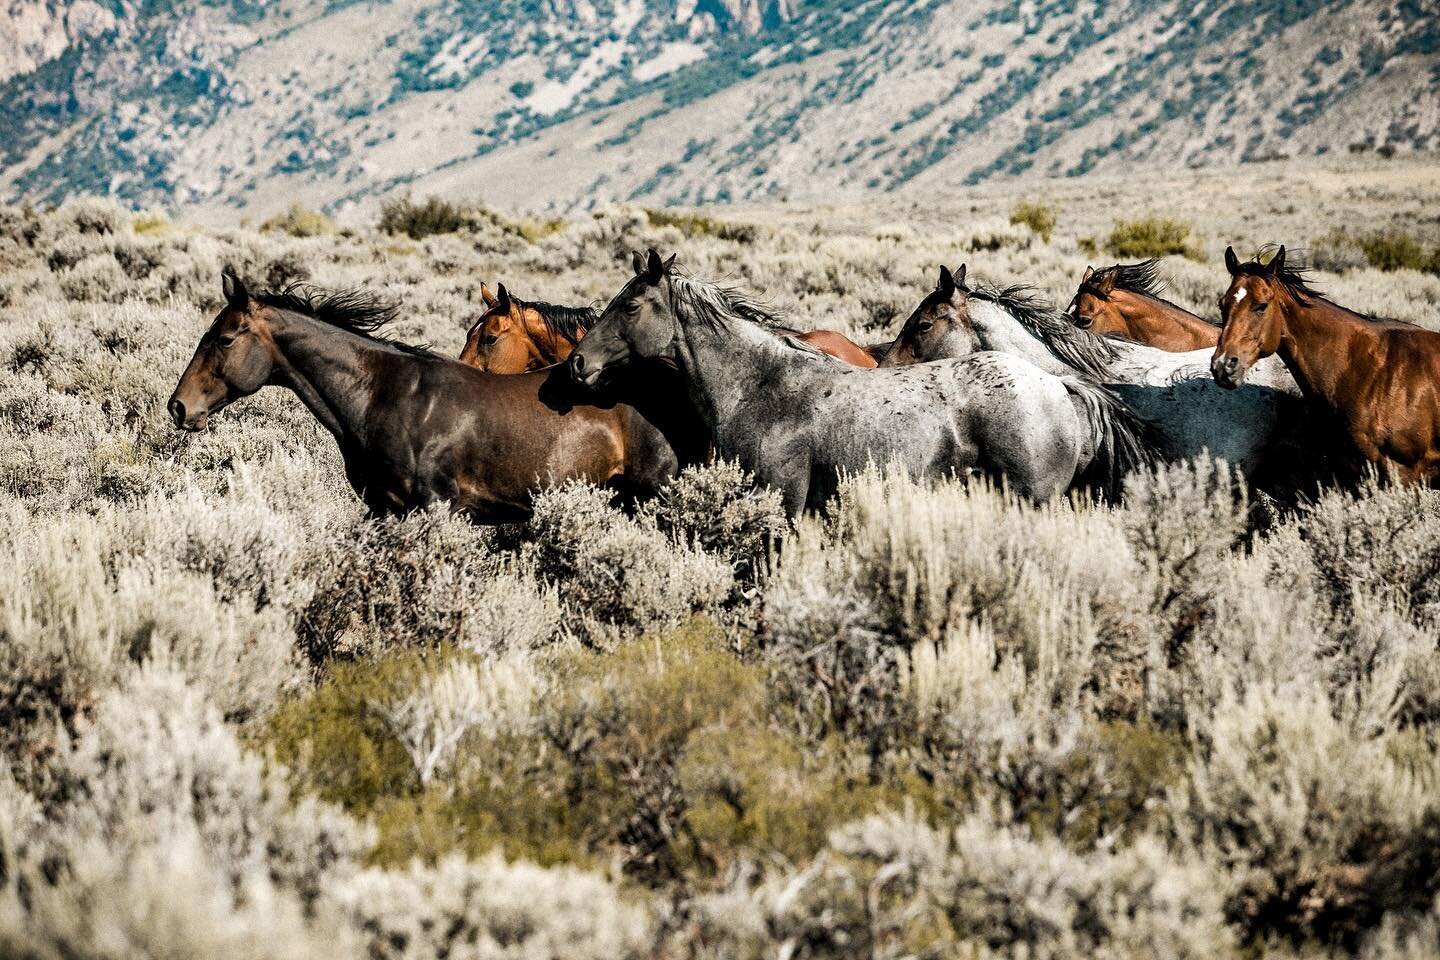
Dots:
{"x": 568, "y": 103}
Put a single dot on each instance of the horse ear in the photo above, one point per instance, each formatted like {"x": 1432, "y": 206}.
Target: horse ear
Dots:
{"x": 503, "y": 299}
{"x": 960, "y": 277}
{"x": 946, "y": 286}
{"x": 654, "y": 267}
{"x": 1277, "y": 262}
{"x": 1232, "y": 262}
{"x": 669, "y": 262}
{"x": 485, "y": 295}
{"x": 637, "y": 260}
{"x": 1106, "y": 286}
{"x": 234, "y": 288}
{"x": 1089, "y": 272}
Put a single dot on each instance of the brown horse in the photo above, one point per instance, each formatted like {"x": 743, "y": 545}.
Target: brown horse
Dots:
{"x": 414, "y": 427}
{"x": 1124, "y": 301}
{"x": 514, "y": 335}
{"x": 1380, "y": 378}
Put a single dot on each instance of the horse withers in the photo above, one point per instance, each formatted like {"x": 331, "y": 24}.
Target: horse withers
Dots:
{"x": 413, "y": 427}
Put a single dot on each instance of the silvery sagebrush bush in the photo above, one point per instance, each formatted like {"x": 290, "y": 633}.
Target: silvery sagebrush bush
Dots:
{"x": 615, "y": 572}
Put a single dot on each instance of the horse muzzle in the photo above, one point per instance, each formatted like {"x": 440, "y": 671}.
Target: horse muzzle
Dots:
{"x": 189, "y": 420}
{"x": 582, "y": 371}
{"x": 1226, "y": 370}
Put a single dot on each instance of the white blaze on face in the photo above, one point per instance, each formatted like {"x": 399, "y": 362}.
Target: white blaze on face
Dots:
{"x": 1240, "y": 295}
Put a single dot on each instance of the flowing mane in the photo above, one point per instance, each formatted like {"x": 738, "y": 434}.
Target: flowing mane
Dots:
{"x": 720, "y": 306}
{"x": 1143, "y": 278}
{"x": 567, "y": 322}
{"x": 1295, "y": 275}
{"x": 357, "y": 310}
{"x": 715, "y": 304}
{"x": 1080, "y": 349}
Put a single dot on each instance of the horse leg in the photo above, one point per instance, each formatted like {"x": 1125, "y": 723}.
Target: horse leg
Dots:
{"x": 795, "y": 492}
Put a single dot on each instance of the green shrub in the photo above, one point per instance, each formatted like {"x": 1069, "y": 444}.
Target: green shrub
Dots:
{"x": 1394, "y": 250}
{"x": 297, "y": 221}
{"x": 699, "y": 225}
{"x": 1037, "y": 216}
{"x": 1151, "y": 237}
{"x": 419, "y": 220}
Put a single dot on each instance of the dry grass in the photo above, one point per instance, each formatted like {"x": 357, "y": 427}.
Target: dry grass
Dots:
{"x": 241, "y": 719}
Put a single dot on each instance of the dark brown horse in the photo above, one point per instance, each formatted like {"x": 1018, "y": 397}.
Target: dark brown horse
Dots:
{"x": 514, "y": 335}
{"x": 1124, "y": 301}
{"x": 1380, "y": 378}
{"x": 414, "y": 427}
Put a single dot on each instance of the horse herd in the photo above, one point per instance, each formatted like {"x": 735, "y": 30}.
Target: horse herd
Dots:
{"x": 980, "y": 381}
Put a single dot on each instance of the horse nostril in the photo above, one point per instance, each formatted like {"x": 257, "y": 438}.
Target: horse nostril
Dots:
{"x": 577, "y": 364}
{"x": 177, "y": 412}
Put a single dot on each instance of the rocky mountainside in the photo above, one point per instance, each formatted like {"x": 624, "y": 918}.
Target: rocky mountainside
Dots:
{"x": 247, "y": 105}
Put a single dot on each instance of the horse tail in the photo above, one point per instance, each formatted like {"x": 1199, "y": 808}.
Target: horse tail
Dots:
{"x": 1123, "y": 441}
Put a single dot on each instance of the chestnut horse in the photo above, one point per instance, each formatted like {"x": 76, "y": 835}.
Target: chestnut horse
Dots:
{"x": 414, "y": 427}
{"x": 1124, "y": 301}
{"x": 1380, "y": 378}
{"x": 514, "y": 335}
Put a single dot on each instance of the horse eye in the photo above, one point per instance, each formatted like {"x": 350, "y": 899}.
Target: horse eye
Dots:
{"x": 632, "y": 307}
{"x": 491, "y": 340}
{"x": 1259, "y": 307}
{"x": 225, "y": 341}
{"x": 924, "y": 325}
{"x": 1083, "y": 321}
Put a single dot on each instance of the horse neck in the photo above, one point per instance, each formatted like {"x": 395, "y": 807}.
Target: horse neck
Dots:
{"x": 1317, "y": 344}
{"x": 999, "y": 330}
{"x": 328, "y": 368}
{"x": 1156, "y": 322}
{"x": 549, "y": 345}
{"x": 722, "y": 364}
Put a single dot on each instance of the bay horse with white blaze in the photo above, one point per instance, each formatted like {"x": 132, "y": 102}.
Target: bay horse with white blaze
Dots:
{"x": 1124, "y": 301}
{"x": 414, "y": 427}
{"x": 1379, "y": 378}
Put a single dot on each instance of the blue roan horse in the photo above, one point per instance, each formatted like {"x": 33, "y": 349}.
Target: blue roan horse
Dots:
{"x": 799, "y": 420}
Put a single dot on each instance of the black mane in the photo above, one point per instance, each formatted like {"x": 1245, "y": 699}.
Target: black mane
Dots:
{"x": 356, "y": 310}
{"x": 568, "y": 322}
{"x": 1295, "y": 274}
{"x": 1143, "y": 277}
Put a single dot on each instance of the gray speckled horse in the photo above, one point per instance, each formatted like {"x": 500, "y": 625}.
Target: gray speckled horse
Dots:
{"x": 799, "y": 420}
{"x": 1267, "y": 430}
